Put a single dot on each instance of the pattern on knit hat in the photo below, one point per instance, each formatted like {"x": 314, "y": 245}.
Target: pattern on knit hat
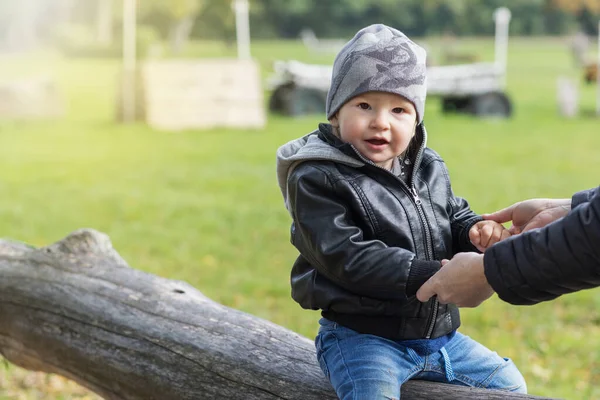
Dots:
{"x": 379, "y": 58}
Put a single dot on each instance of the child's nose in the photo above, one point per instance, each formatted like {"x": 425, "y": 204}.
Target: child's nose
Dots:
{"x": 380, "y": 120}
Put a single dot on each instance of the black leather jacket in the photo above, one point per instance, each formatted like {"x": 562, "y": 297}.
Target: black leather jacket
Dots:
{"x": 368, "y": 240}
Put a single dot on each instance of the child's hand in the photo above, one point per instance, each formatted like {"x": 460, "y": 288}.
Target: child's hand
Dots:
{"x": 485, "y": 233}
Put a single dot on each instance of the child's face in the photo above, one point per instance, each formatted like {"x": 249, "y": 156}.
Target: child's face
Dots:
{"x": 379, "y": 125}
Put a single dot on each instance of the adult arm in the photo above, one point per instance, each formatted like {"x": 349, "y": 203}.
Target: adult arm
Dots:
{"x": 535, "y": 266}
{"x": 328, "y": 237}
{"x": 583, "y": 197}
{"x": 537, "y": 213}
{"x": 561, "y": 258}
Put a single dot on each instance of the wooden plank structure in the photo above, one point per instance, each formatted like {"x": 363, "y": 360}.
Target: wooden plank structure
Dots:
{"x": 30, "y": 98}
{"x": 77, "y": 309}
{"x": 209, "y": 93}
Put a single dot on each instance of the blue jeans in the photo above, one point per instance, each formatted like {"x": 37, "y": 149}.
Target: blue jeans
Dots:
{"x": 362, "y": 366}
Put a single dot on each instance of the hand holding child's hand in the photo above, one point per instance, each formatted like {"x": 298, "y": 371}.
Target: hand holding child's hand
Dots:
{"x": 485, "y": 233}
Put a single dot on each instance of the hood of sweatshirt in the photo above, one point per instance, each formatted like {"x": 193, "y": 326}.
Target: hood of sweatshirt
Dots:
{"x": 323, "y": 145}
{"x": 307, "y": 148}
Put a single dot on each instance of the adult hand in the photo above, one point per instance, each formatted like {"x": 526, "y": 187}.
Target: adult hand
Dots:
{"x": 530, "y": 214}
{"x": 460, "y": 281}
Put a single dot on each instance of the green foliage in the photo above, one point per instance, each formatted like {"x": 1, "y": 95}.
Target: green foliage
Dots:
{"x": 80, "y": 41}
{"x": 174, "y": 9}
{"x": 214, "y": 19}
{"x": 417, "y": 17}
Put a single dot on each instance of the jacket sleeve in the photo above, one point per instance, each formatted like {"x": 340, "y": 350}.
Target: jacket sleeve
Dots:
{"x": 326, "y": 235}
{"x": 462, "y": 218}
{"x": 582, "y": 197}
{"x": 542, "y": 264}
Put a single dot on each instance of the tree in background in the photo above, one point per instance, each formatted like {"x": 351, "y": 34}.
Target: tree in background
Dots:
{"x": 419, "y": 17}
{"x": 586, "y": 12}
{"x": 83, "y": 24}
{"x": 217, "y": 20}
{"x": 588, "y": 21}
{"x": 25, "y": 23}
{"x": 574, "y": 6}
{"x": 178, "y": 16}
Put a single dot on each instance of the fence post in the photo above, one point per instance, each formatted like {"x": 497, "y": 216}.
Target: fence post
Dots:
{"x": 242, "y": 28}
{"x": 129, "y": 59}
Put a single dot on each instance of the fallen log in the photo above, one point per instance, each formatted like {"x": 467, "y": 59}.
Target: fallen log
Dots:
{"x": 75, "y": 308}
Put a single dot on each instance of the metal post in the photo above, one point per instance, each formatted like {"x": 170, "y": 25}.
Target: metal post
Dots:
{"x": 242, "y": 28}
{"x": 502, "y": 18}
{"x": 129, "y": 59}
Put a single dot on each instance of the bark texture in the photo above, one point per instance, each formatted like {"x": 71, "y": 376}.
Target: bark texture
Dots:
{"x": 77, "y": 309}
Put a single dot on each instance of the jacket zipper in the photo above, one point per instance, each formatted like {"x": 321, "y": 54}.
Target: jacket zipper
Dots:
{"x": 429, "y": 246}
{"x": 412, "y": 190}
{"x": 428, "y": 241}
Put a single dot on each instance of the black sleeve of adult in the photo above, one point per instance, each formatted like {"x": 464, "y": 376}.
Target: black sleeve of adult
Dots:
{"x": 542, "y": 264}
{"x": 582, "y": 197}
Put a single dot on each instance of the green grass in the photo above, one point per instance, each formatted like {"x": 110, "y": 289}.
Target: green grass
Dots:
{"x": 204, "y": 206}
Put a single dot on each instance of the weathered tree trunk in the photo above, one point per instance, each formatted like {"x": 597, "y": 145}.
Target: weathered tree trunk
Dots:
{"x": 77, "y": 309}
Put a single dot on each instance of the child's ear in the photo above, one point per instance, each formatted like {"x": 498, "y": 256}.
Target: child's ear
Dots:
{"x": 334, "y": 121}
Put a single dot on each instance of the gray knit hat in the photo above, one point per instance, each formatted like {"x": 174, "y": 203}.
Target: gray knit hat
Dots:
{"x": 379, "y": 58}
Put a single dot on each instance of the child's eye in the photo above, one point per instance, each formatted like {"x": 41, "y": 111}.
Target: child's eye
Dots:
{"x": 398, "y": 110}
{"x": 364, "y": 106}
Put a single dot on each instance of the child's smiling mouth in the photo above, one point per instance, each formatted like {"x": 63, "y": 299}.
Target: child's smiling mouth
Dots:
{"x": 377, "y": 142}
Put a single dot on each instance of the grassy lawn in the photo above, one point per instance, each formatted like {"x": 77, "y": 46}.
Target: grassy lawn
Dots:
{"x": 204, "y": 206}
